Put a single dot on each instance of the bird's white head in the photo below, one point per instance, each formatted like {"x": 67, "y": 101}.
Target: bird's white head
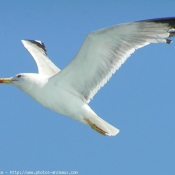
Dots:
{"x": 26, "y": 81}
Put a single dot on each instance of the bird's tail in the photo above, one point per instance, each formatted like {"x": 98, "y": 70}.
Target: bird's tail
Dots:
{"x": 101, "y": 126}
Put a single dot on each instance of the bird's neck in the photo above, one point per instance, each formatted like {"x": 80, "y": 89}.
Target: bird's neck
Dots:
{"x": 34, "y": 87}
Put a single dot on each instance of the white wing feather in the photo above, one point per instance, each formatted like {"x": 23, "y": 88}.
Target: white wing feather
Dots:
{"x": 38, "y": 51}
{"x": 104, "y": 51}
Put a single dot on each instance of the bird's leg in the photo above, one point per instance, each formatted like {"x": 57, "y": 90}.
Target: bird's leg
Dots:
{"x": 95, "y": 127}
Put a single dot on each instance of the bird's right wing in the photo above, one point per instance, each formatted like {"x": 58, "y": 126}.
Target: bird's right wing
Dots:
{"x": 38, "y": 51}
{"x": 105, "y": 50}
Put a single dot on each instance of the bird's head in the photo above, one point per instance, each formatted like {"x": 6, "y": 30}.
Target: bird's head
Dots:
{"x": 17, "y": 79}
{"x": 24, "y": 81}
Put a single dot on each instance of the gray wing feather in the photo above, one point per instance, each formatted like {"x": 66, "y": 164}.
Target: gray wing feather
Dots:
{"x": 104, "y": 51}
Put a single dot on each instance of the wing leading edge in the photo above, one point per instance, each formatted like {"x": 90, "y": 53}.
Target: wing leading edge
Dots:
{"x": 38, "y": 51}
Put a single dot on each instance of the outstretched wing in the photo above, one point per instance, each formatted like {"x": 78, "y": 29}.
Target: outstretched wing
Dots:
{"x": 38, "y": 51}
{"x": 104, "y": 51}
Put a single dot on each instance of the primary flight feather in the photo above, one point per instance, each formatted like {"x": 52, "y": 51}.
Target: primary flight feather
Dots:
{"x": 69, "y": 91}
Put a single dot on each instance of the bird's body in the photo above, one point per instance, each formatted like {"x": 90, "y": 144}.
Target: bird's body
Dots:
{"x": 53, "y": 97}
{"x": 69, "y": 91}
{"x": 58, "y": 99}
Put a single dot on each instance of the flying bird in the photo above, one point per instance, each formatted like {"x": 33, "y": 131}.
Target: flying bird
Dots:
{"x": 69, "y": 91}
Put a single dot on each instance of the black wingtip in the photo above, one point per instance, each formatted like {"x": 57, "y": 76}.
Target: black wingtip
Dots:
{"x": 39, "y": 44}
{"x": 168, "y": 41}
{"x": 172, "y": 33}
{"x": 168, "y": 20}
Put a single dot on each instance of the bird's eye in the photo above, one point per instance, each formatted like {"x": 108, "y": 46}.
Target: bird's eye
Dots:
{"x": 18, "y": 76}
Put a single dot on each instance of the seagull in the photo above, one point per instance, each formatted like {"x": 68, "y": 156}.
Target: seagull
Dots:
{"x": 69, "y": 91}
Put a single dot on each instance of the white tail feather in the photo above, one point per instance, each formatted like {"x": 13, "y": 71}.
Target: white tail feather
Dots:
{"x": 101, "y": 126}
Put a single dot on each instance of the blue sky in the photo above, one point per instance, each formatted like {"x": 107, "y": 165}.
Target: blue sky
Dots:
{"x": 139, "y": 99}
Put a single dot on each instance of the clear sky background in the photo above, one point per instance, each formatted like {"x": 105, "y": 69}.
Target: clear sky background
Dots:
{"x": 139, "y": 99}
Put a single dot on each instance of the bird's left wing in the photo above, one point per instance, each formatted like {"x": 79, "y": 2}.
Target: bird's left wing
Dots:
{"x": 104, "y": 51}
{"x": 38, "y": 51}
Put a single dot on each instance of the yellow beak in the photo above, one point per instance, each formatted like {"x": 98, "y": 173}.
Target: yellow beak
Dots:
{"x": 5, "y": 80}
